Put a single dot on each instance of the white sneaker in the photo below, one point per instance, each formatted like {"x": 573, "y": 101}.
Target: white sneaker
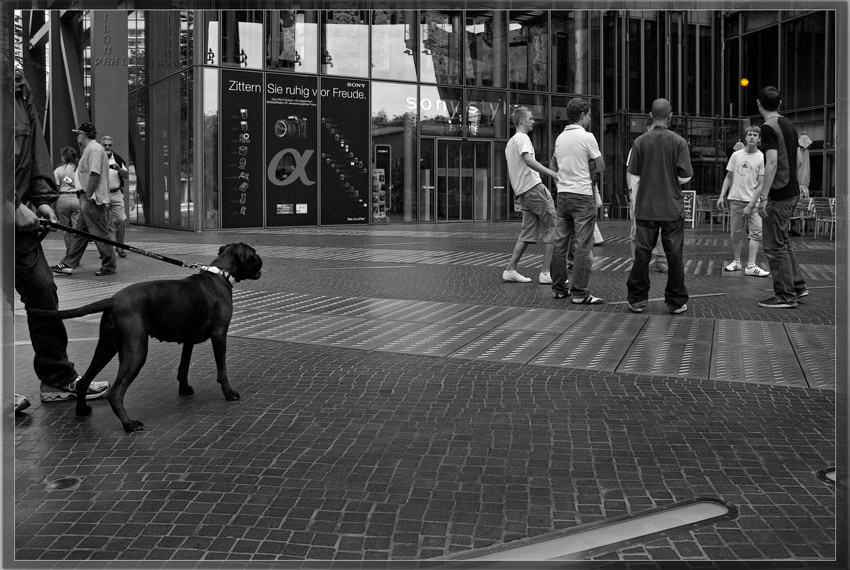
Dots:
{"x": 96, "y": 390}
{"x": 545, "y": 278}
{"x": 513, "y": 276}
{"x": 756, "y": 271}
{"x": 734, "y": 266}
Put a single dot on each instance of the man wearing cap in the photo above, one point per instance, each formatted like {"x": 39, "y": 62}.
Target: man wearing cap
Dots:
{"x": 94, "y": 205}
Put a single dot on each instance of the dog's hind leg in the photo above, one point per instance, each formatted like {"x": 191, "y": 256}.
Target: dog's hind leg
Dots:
{"x": 219, "y": 344}
{"x": 103, "y": 353}
{"x": 183, "y": 371}
{"x": 131, "y": 358}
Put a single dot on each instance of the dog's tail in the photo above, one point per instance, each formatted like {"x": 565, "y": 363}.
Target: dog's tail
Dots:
{"x": 91, "y": 308}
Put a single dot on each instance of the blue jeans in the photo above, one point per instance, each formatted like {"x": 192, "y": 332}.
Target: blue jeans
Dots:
{"x": 574, "y": 222}
{"x": 672, "y": 240}
{"x": 787, "y": 279}
{"x": 34, "y": 283}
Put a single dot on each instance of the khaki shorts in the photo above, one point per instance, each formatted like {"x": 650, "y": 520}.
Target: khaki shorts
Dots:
{"x": 538, "y": 215}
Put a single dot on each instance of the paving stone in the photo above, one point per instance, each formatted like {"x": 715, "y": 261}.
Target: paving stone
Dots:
{"x": 339, "y": 452}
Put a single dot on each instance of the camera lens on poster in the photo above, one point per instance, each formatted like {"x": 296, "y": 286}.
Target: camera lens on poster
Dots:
{"x": 291, "y": 127}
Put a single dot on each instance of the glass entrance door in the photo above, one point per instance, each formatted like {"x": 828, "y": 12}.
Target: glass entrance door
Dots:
{"x": 463, "y": 180}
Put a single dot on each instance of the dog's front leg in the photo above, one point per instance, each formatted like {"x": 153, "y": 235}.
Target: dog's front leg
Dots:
{"x": 183, "y": 371}
{"x": 219, "y": 343}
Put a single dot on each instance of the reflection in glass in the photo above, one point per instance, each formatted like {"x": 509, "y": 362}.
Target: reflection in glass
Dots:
{"x": 502, "y": 194}
{"x": 427, "y": 180}
{"x": 187, "y": 36}
{"x": 345, "y": 43}
{"x": 441, "y": 111}
{"x": 242, "y": 38}
{"x": 183, "y": 210}
{"x": 139, "y": 199}
{"x": 394, "y": 53}
{"x": 440, "y": 47}
{"x": 291, "y": 37}
{"x": 210, "y": 149}
{"x": 528, "y": 37}
{"x": 570, "y": 62}
{"x": 394, "y": 135}
{"x": 486, "y": 113}
{"x": 212, "y": 49}
{"x": 485, "y": 48}
{"x": 136, "y": 49}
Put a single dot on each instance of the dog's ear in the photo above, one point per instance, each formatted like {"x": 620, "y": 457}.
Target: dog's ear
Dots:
{"x": 222, "y": 248}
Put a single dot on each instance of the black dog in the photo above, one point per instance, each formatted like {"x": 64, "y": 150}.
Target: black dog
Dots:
{"x": 187, "y": 311}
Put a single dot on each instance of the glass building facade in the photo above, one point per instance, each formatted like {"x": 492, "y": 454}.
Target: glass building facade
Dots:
{"x": 275, "y": 118}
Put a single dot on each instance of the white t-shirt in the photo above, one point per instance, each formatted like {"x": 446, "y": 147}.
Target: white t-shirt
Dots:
{"x": 523, "y": 178}
{"x": 574, "y": 148}
{"x": 746, "y": 168}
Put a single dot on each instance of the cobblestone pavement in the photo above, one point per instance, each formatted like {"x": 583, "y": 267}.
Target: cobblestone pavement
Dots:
{"x": 399, "y": 402}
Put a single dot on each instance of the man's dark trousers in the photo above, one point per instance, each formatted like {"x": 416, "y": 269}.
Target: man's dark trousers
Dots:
{"x": 672, "y": 239}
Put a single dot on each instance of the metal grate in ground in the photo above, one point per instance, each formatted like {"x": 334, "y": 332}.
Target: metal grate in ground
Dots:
{"x": 740, "y": 351}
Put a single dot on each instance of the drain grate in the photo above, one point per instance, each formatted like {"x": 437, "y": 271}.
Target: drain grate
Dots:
{"x": 64, "y": 484}
{"x": 609, "y": 535}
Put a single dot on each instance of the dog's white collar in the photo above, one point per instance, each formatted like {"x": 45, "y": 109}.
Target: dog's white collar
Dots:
{"x": 217, "y": 270}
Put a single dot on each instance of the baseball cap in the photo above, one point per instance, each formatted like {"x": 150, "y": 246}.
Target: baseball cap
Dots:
{"x": 86, "y": 128}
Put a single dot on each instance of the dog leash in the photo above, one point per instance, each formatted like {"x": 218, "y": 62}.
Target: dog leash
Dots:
{"x": 146, "y": 253}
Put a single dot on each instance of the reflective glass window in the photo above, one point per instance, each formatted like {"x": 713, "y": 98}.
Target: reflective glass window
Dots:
{"x": 486, "y": 113}
{"x": 136, "y": 72}
{"x": 485, "y": 48}
{"x": 242, "y": 38}
{"x": 394, "y": 51}
{"x": 187, "y": 37}
{"x": 292, "y": 40}
{"x": 394, "y": 168}
{"x": 760, "y": 64}
{"x": 441, "y": 111}
{"x": 441, "y": 34}
{"x": 212, "y": 37}
{"x": 528, "y": 50}
{"x": 570, "y": 58}
{"x": 345, "y": 43}
{"x": 210, "y": 104}
{"x": 804, "y": 57}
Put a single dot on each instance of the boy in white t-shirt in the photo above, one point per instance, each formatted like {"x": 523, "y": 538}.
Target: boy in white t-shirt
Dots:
{"x": 535, "y": 200}
{"x": 742, "y": 188}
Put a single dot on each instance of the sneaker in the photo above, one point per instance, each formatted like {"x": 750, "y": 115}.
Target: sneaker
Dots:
{"x": 21, "y": 403}
{"x": 122, "y": 253}
{"x": 805, "y": 293}
{"x": 545, "y": 278}
{"x": 637, "y": 307}
{"x": 598, "y": 243}
{"x": 774, "y": 303}
{"x": 677, "y": 310}
{"x": 562, "y": 294}
{"x": 50, "y": 394}
{"x": 103, "y": 272}
{"x": 734, "y": 266}
{"x": 588, "y": 300}
{"x": 756, "y": 271}
{"x": 513, "y": 276}
{"x": 61, "y": 269}
{"x": 661, "y": 267}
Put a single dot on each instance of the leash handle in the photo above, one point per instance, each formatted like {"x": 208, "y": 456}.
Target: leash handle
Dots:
{"x": 137, "y": 250}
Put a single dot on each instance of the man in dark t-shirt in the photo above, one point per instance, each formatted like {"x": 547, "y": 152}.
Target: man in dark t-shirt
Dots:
{"x": 660, "y": 164}
{"x": 779, "y": 196}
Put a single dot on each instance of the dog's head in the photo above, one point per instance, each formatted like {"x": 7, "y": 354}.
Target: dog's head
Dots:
{"x": 243, "y": 259}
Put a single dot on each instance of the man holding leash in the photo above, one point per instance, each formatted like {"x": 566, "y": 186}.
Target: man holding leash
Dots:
{"x": 34, "y": 195}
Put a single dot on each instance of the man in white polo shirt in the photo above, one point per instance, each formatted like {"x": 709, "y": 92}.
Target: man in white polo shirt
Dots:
{"x": 536, "y": 204}
{"x": 578, "y": 199}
